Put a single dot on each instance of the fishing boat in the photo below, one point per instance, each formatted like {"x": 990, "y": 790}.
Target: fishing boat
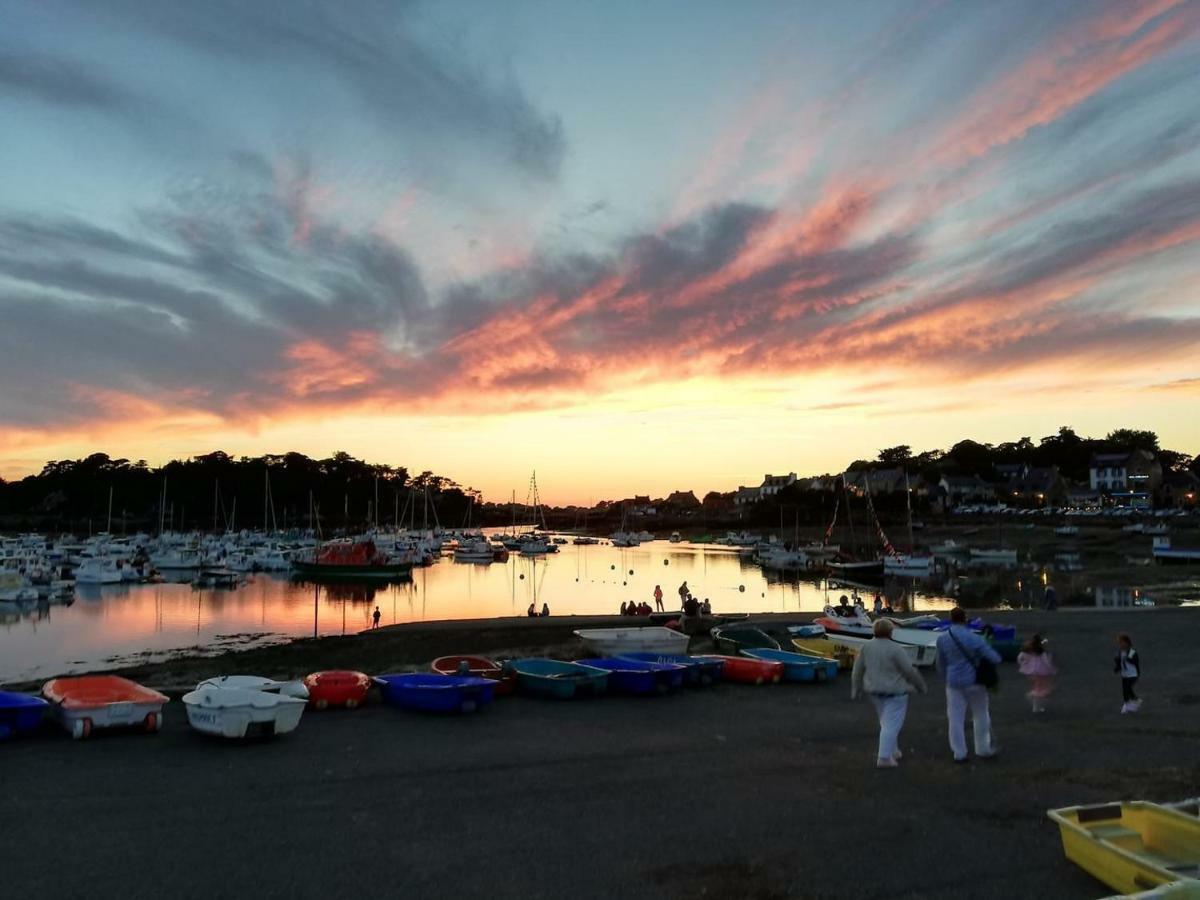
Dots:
{"x": 557, "y": 679}
{"x": 633, "y": 676}
{"x": 238, "y": 713}
{"x": 824, "y": 647}
{"x": 744, "y": 670}
{"x": 736, "y": 638}
{"x": 797, "y": 666}
{"x": 698, "y": 670}
{"x": 350, "y": 559}
{"x": 19, "y": 714}
{"x": 256, "y": 683}
{"x": 337, "y": 687}
{"x": 477, "y": 667}
{"x": 436, "y": 693}
{"x": 87, "y": 702}
{"x": 1131, "y": 846}
{"x": 619, "y": 641}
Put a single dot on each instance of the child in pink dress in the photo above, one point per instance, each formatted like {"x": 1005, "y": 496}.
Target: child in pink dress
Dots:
{"x": 1035, "y": 663}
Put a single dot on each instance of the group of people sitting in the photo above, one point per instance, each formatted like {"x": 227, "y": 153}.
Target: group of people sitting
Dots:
{"x": 636, "y": 609}
{"x": 851, "y": 607}
{"x": 694, "y": 607}
{"x": 533, "y": 613}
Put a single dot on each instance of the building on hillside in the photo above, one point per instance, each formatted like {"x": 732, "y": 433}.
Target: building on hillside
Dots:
{"x": 1180, "y": 490}
{"x": 746, "y": 496}
{"x": 960, "y": 489}
{"x": 773, "y": 484}
{"x": 1129, "y": 479}
{"x": 1040, "y": 486}
{"x": 683, "y": 501}
{"x": 1082, "y": 496}
{"x": 639, "y": 505}
{"x": 823, "y": 483}
{"x": 877, "y": 481}
{"x": 1008, "y": 473}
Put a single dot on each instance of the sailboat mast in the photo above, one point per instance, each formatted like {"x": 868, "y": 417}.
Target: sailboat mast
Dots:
{"x": 912, "y": 544}
{"x": 108, "y": 524}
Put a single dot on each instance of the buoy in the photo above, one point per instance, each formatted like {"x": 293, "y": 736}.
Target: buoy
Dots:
{"x": 631, "y": 571}
{"x": 613, "y": 567}
{"x": 522, "y": 576}
{"x": 742, "y": 588}
{"x": 666, "y": 562}
{"x": 624, "y": 583}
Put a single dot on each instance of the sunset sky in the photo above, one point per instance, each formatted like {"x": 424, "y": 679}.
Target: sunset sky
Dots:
{"x": 637, "y": 246}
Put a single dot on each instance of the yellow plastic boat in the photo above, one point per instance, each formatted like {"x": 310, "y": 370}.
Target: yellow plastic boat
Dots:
{"x": 1132, "y": 846}
{"x": 828, "y": 648}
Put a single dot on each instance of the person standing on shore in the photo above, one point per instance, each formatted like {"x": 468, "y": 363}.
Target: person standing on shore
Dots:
{"x": 1036, "y": 664}
{"x": 878, "y": 604}
{"x": 1129, "y": 666}
{"x": 658, "y": 604}
{"x": 959, "y": 653}
{"x": 375, "y": 618}
{"x": 683, "y": 594}
{"x": 884, "y": 672}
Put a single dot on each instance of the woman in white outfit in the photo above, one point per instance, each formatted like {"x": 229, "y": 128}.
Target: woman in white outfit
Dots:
{"x": 883, "y": 671}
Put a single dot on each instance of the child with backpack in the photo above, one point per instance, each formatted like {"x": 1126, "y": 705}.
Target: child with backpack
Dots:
{"x": 1128, "y": 665}
{"x": 1037, "y": 665}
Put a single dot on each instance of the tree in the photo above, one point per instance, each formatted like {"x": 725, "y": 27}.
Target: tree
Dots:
{"x": 895, "y": 456}
{"x": 1132, "y": 439}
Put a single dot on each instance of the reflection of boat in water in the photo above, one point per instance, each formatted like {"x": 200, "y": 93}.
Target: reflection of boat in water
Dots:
{"x": 350, "y": 559}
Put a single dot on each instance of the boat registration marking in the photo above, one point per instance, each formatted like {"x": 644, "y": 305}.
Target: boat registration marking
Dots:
{"x": 120, "y": 710}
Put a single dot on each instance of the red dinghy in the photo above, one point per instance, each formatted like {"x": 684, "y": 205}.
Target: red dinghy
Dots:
{"x": 743, "y": 670}
{"x": 479, "y": 667}
{"x": 338, "y": 687}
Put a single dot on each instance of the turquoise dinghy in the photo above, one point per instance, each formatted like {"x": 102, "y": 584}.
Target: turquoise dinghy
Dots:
{"x": 561, "y": 680}
{"x": 732, "y": 640}
{"x": 798, "y": 666}
{"x": 698, "y": 670}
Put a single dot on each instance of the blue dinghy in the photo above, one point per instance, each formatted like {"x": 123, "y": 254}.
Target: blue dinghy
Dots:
{"x": 632, "y": 676}
{"x": 558, "y": 679}
{"x": 697, "y": 670}
{"x": 436, "y": 693}
{"x": 19, "y": 713}
{"x": 798, "y": 666}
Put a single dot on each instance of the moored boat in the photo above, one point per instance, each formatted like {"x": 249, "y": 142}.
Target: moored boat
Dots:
{"x": 87, "y": 702}
{"x": 797, "y": 666}
{"x": 19, "y": 713}
{"x": 1131, "y": 846}
{"x": 350, "y": 559}
{"x": 436, "y": 693}
{"x": 736, "y": 638}
{"x": 478, "y": 667}
{"x": 744, "y": 670}
{"x": 698, "y": 670}
{"x": 632, "y": 676}
{"x": 558, "y": 679}
{"x": 337, "y": 687}
{"x": 618, "y": 641}
{"x": 241, "y": 712}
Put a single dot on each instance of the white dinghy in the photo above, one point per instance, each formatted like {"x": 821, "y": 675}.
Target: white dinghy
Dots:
{"x": 256, "y": 683}
{"x": 235, "y": 713}
{"x": 615, "y": 641}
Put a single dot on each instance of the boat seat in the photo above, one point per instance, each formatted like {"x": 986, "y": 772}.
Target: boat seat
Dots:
{"x": 1119, "y": 835}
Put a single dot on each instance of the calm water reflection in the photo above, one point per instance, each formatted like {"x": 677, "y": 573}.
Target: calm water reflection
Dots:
{"x": 115, "y": 624}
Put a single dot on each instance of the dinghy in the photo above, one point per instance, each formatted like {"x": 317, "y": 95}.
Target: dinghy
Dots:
{"x": 919, "y": 656}
{"x": 632, "y": 676}
{"x": 561, "y": 680}
{"x": 19, "y": 714}
{"x": 650, "y": 639}
{"x": 337, "y": 687}
{"x": 744, "y": 670}
{"x": 241, "y": 712}
{"x": 1131, "y": 846}
{"x": 797, "y": 666}
{"x": 257, "y": 683}
{"x": 825, "y": 647}
{"x": 698, "y": 670}
{"x": 478, "y": 667}
{"x": 88, "y": 702}
{"x": 436, "y": 693}
{"x": 921, "y": 645}
{"x": 736, "y": 638}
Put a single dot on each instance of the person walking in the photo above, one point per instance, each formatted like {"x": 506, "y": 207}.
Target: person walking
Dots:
{"x": 658, "y": 604}
{"x": 960, "y": 655}
{"x": 683, "y": 594}
{"x": 1128, "y": 665}
{"x": 1036, "y": 664}
{"x": 883, "y": 671}
{"x": 375, "y": 618}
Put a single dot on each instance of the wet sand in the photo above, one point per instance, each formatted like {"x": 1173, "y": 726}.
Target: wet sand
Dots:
{"x": 726, "y": 792}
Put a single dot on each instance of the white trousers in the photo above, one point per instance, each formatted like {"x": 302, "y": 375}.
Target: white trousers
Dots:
{"x": 891, "y": 712}
{"x": 958, "y": 699}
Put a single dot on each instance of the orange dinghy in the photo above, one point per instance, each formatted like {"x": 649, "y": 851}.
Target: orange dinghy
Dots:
{"x": 338, "y": 687}
{"x": 103, "y": 701}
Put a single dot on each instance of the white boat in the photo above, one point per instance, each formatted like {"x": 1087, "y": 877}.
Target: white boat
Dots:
{"x": 98, "y": 570}
{"x": 475, "y": 551}
{"x": 860, "y": 627}
{"x": 624, "y": 539}
{"x": 535, "y": 546}
{"x": 948, "y": 547}
{"x": 907, "y": 565}
{"x": 651, "y": 639}
{"x": 918, "y": 656}
{"x": 233, "y": 712}
{"x": 256, "y": 683}
{"x": 176, "y": 559}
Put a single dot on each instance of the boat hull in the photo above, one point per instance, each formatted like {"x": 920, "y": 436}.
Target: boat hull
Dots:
{"x": 336, "y": 573}
{"x": 699, "y": 671}
{"x": 824, "y": 648}
{"x": 477, "y": 667}
{"x": 338, "y": 687}
{"x": 630, "y": 676}
{"x": 559, "y": 680}
{"x": 619, "y": 641}
{"x": 798, "y": 666}
{"x": 733, "y": 641}
{"x": 238, "y": 713}
{"x": 20, "y": 714}
{"x": 436, "y": 693}
{"x": 87, "y": 702}
{"x": 744, "y": 670}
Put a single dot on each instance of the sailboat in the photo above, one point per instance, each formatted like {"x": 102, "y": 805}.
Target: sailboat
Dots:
{"x": 896, "y": 563}
{"x": 533, "y": 544}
